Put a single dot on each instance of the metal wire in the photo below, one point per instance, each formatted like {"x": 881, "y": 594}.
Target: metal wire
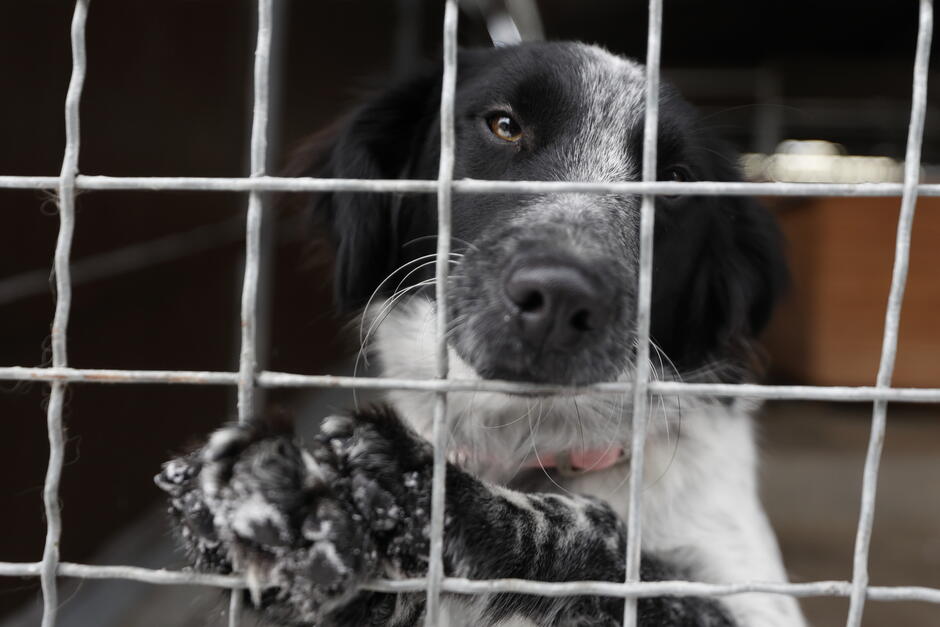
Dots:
{"x": 440, "y": 427}
{"x": 259, "y": 142}
{"x": 464, "y": 186}
{"x": 268, "y": 379}
{"x": 459, "y": 585}
{"x": 889, "y": 345}
{"x": 641, "y": 398}
{"x": 60, "y": 322}
{"x": 248, "y": 360}
{"x": 248, "y": 376}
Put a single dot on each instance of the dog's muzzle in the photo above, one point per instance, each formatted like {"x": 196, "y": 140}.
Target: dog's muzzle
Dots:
{"x": 533, "y": 304}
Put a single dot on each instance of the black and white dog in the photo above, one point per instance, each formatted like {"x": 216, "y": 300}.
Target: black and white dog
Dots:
{"x": 542, "y": 288}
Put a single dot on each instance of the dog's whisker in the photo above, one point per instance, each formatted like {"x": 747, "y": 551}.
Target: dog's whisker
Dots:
{"x": 363, "y": 338}
{"x": 577, "y": 412}
{"x": 678, "y": 399}
{"x": 662, "y": 370}
{"x": 521, "y": 454}
{"x": 455, "y": 423}
{"x": 380, "y": 317}
{"x": 454, "y": 326}
{"x": 390, "y": 303}
{"x": 398, "y": 288}
{"x": 426, "y": 264}
{"x": 378, "y": 289}
{"x": 535, "y": 447}
{"x": 663, "y": 356}
{"x": 513, "y": 421}
{"x": 454, "y": 238}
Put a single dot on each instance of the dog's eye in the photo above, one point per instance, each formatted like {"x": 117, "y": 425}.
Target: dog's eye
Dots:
{"x": 678, "y": 174}
{"x": 505, "y": 127}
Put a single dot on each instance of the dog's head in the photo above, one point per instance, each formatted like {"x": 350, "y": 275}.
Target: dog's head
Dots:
{"x": 543, "y": 287}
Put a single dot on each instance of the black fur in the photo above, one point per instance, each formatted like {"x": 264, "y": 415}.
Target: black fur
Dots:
{"x": 316, "y": 531}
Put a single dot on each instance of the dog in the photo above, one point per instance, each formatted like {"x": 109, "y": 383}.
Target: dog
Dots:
{"x": 542, "y": 288}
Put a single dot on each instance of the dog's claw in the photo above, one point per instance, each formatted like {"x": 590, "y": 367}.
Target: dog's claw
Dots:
{"x": 255, "y": 578}
{"x": 177, "y": 475}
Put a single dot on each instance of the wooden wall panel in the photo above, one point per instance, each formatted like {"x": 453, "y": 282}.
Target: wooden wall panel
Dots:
{"x": 828, "y": 332}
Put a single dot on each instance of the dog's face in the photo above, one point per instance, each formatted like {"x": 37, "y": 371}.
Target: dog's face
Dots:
{"x": 543, "y": 287}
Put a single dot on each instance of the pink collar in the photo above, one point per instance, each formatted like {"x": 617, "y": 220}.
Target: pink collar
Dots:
{"x": 568, "y": 463}
{"x": 579, "y": 462}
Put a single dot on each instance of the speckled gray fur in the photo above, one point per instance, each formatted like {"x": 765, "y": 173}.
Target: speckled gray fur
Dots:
{"x": 309, "y": 524}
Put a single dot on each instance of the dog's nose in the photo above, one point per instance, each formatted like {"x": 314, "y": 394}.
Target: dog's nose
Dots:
{"x": 556, "y": 303}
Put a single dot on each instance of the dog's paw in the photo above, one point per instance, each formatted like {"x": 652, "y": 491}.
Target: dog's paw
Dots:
{"x": 306, "y": 526}
{"x": 192, "y": 518}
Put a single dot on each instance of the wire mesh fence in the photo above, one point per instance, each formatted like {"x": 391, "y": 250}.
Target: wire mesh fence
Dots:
{"x": 248, "y": 377}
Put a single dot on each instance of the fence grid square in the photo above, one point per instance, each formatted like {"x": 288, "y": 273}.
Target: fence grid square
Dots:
{"x": 248, "y": 377}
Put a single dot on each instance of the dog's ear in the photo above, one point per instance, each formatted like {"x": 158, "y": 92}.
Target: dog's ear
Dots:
{"x": 721, "y": 279}
{"x": 378, "y": 141}
{"x": 741, "y": 275}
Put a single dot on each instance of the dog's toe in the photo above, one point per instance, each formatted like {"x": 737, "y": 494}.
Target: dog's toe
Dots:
{"x": 177, "y": 475}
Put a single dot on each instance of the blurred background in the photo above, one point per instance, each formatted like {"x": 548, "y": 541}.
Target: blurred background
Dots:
{"x": 808, "y": 91}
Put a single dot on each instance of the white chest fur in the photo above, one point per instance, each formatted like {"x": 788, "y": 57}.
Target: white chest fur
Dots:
{"x": 700, "y": 504}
